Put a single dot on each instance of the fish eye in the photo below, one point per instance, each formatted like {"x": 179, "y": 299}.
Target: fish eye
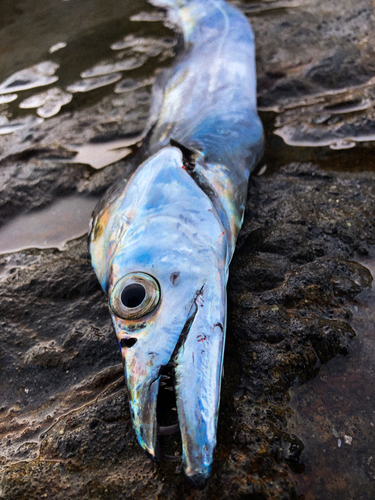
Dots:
{"x": 134, "y": 296}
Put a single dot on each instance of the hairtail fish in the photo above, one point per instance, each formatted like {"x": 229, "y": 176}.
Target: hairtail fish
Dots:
{"x": 162, "y": 243}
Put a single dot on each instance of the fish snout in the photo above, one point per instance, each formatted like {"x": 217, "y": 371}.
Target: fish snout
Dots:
{"x": 176, "y": 371}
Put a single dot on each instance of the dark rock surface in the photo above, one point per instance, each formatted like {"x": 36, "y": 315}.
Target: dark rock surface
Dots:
{"x": 65, "y": 406}
{"x": 64, "y": 419}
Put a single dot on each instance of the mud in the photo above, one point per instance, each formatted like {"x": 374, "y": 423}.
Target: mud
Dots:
{"x": 295, "y": 280}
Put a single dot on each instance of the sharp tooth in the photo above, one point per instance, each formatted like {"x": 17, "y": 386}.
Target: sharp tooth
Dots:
{"x": 165, "y": 377}
{"x": 169, "y": 389}
{"x": 174, "y": 409}
{"x": 172, "y": 458}
{"x": 167, "y": 430}
{"x": 162, "y": 383}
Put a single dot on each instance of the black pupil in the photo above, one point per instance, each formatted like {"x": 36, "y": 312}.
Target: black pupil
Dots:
{"x": 133, "y": 295}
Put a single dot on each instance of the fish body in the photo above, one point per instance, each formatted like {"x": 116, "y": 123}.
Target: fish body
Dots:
{"x": 161, "y": 245}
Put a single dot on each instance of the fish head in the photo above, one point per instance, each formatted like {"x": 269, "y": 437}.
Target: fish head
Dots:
{"x": 172, "y": 314}
{"x": 165, "y": 282}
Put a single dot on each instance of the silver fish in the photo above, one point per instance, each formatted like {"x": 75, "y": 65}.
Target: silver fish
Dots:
{"x": 161, "y": 245}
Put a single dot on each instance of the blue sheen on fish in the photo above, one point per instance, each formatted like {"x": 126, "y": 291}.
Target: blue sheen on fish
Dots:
{"x": 161, "y": 244}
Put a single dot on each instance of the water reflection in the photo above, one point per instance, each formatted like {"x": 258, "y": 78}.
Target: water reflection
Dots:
{"x": 108, "y": 67}
{"x": 51, "y": 227}
{"x": 10, "y": 126}
{"x": 48, "y": 103}
{"x": 147, "y": 45}
{"x": 148, "y": 17}
{"x": 8, "y": 98}
{"x": 89, "y": 54}
{"x": 94, "y": 83}
{"x": 100, "y": 155}
{"x": 98, "y": 52}
{"x": 57, "y": 46}
{"x": 39, "y": 75}
{"x": 129, "y": 84}
{"x": 350, "y": 156}
{"x": 337, "y": 118}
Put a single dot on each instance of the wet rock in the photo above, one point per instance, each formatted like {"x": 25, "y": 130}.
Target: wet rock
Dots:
{"x": 297, "y": 238}
{"x": 285, "y": 319}
{"x": 314, "y": 51}
{"x": 44, "y": 355}
{"x": 35, "y": 169}
{"x": 24, "y": 188}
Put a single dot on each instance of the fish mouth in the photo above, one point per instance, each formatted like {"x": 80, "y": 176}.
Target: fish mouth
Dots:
{"x": 177, "y": 407}
{"x": 170, "y": 449}
{"x": 169, "y": 444}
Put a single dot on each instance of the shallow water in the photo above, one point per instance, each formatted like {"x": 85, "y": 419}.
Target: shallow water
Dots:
{"x": 68, "y": 58}
{"x": 57, "y": 67}
{"x": 103, "y": 154}
{"x": 77, "y": 50}
{"x": 360, "y": 157}
{"x": 51, "y": 227}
